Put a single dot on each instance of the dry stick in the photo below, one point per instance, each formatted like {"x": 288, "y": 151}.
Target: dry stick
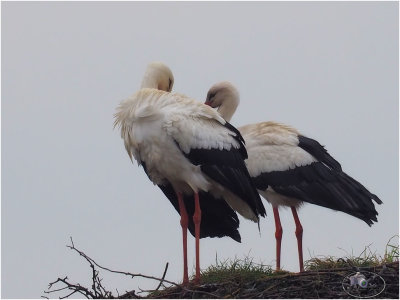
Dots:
{"x": 94, "y": 275}
{"x": 162, "y": 278}
{"x": 102, "y": 289}
{"x": 76, "y": 288}
{"x": 91, "y": 261}
{"x": 161, "y": 281}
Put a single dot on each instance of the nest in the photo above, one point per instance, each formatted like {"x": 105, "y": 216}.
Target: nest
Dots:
{"x": 311, "y": 284}
{"x": 244, "y": 279}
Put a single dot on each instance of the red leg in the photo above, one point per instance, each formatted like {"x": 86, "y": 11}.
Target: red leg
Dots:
{"x": 278, "y": 237}
{"x": 184, "y": 224}
{"x": 197, "y": 221}
{"x": 299, "y": 236}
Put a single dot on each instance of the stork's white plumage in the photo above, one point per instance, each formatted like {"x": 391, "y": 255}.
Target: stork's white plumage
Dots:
{"x": 289, "y": 168}
{"x": 186, "y": 148}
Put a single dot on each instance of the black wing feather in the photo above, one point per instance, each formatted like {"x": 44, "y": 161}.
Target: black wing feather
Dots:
{"x": 321, "y": 185}
{"x": 319, "y": 152}
{"x": 227, "y": 167}
{"x": 218, "y": 219}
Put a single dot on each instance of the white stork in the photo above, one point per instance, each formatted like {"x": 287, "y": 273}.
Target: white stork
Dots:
{"x": 289, "y": 168}
{"x": 186, "y": 148}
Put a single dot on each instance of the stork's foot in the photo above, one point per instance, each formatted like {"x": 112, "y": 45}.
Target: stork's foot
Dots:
{"x": 185, "y": 281}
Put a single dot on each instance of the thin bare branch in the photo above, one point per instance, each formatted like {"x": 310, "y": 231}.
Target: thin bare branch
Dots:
{"x": 163, "y": 277}
{"x": 91, "y": 261}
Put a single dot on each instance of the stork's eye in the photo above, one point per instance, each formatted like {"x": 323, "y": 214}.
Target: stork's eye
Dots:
{"x": 170, "y": 84}
{"x": 210, "y": 96}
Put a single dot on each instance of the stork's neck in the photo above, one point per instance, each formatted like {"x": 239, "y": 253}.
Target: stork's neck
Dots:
{"x": 228, "y": 107}
{"x": 150, "y": 81}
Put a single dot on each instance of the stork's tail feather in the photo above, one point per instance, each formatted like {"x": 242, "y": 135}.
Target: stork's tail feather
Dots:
{"x": 317, "y": 184}
{"x": 355, "y": 197}
{"x": 218, "y": 219}
{"x": 365, "y": 208}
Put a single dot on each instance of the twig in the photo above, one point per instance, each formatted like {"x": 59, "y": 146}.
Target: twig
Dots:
{"x": 91, "y": 261}
{"x": 162, "y": 278}
{"x": 76, "y": 288}
{"x": 98, "y": 290}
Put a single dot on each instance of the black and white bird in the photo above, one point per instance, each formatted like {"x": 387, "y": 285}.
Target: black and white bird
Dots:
{"x": 189, "y": 150}
{"x": 289, "y": 169}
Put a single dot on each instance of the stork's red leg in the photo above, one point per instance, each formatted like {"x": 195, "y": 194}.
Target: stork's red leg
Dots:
{"x": 197, "y": 221}
{"x": 278, "y": 237}
{"x": 184, "y": 224}
{"x": 299, "y": 236}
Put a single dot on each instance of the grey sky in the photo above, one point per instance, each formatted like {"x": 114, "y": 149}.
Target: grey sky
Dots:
{"x": 328, "y": 69}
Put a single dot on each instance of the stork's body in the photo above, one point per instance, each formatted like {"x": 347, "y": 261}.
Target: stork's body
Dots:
{"x": 289, "y": 169}
{"x": 187, "y": 147}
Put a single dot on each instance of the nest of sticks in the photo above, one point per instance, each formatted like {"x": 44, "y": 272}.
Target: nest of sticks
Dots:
{"x": 326, "y": 284}
{"x": 256, "y": 282}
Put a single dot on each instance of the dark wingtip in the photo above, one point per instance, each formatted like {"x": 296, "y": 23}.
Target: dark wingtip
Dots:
{"x": 236, "y": 236}
{"x": 319, "y": 152}
{"x": 376, "y": 199}
{"x": 372, "y": 219}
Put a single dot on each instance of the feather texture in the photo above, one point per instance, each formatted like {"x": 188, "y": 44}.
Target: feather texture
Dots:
{"x": 281, "y": 161}
{"x": 218, "y": 218}
{"x": 175, "y": 135}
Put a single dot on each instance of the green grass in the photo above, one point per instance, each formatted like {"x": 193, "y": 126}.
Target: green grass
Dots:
{"x": 367, "y": 258}
{"x": 244, "y": 278}
{"x": 235, "y": 270}
{"x": 247, "y": 270}
{"x": 392, "y": 251}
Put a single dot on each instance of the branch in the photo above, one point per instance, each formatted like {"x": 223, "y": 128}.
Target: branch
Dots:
{"x": 91, "y": 261}
{"x": 76, "y": 288}
{"x": 98, "y": 290}
{"x": 162, "y": 278}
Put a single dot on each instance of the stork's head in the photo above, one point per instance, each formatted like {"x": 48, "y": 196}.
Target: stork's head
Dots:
{"x": 224, "y": 97}
{"x": 158, "y": 76}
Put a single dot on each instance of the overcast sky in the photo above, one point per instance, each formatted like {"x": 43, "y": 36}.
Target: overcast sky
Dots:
{"x": 328, "y": 69}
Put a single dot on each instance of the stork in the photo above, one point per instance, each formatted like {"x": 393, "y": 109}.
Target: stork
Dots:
{"x": 188, "y": 149}
{"x": 289, "y": 168}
